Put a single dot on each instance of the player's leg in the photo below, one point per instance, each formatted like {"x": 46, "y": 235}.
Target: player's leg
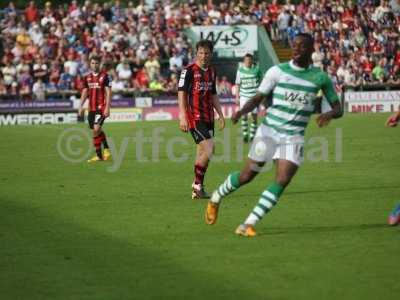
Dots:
{"x": 285, "y": 170}
{"x": 96, "y": 121}
{"x": 245, "y": 126}
{"x": 203, "y": 136}
{"x": 288, "y": 157}
{"x": 96, "y": 141}
{"x": 237, "y": 179}
{"x": 205, "y": 150}
{"x": 103, "y": 138}
{"x": 253, "y": 125}
{"x": 261, "y": 151}
{"x": 244, "y": 122}
{"x": 234, "y": 181}
{"x": 96, "y": 144}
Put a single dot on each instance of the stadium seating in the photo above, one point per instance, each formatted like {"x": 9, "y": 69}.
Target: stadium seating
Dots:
{"x": 46, "y": 49}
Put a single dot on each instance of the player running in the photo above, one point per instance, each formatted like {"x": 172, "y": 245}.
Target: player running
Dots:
{"x": 394, "y": 217}
{"x": 280, "y": 137}
{"x": 97, "y": 87}
{"x": 198, "y": 98}
{"x": 248, "y": 78}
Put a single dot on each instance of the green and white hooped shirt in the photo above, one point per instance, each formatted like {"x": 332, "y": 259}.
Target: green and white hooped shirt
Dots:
{"x": 294, "y": 91}
{"x": 248, "y": 80}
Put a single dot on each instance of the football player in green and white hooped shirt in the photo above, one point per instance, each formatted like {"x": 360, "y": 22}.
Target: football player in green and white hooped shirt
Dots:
{"x": 248, "y": 78}
{"x": 294, "y": 87}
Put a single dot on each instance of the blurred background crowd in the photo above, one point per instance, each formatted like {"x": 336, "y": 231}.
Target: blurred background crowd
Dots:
{"x": 46, "y": 49}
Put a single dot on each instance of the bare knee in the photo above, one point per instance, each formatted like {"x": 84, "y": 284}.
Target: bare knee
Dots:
{"x": 96, "y": 131}
{"x": 207, "y": 149}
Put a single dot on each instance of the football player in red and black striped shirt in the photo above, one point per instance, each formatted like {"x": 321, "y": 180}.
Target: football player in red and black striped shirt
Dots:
{"x": 97, "y": 87}
{"x": 198, "y": 98}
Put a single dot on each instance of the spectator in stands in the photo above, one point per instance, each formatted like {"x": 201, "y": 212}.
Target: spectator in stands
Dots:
{"x": 141, "y": 80}
{"x": 31, "y": 12}
{"x": 10, "y": 10}
{"x": 23, "y": 65}
{"x": 176, "y": 61}
{"x": 172, "y": 85}
{"x": 283, "y": 24}
{"x": 224, "y": 87}
{"x": 317, "y": 56}
{"x": 25, "y": 82}
{"x": 152, "y": 67}
{"x": 71, "y": 65}
{"x": 3, "y": 89}
{"x": 362, "y": 35}
{"x": 117, "y": 84}
{"x": 274, "y": 10}
{"x": 78, "y": 83}
{"x": 395, "y": 6}
{"x": 394, "y": 75}
{"x": 124, "y": 72}
{"x": 65, "y": 82}
{"x": 292, "y": 31}
{"x": 40, "y": 69}
{"x": 31, "y": 51}
{"x": 378, "y": 73}
{"x": 9, "y": 72}
{"x": 157, "y": 84}
{"x": 48, "y": 19}
{"x": 108, "y": 45}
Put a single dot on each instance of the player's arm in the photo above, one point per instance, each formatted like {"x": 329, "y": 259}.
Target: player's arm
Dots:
{"x": 335, "y": 113}
{"x": 183, "y": 89}
{"x": 216, "y": 104}
{"x": 83, "y": 100}
{"x": 218, "y": 108}
{"x": 333, "y": 99}
{"x": 267, "y": 85}
{"x": 182, "y": 101}
{"x": 250, "y": 105}
{"x": 108, "y": 101}
{"x": 393, "y": 119}
{"x": 237, "y": 84}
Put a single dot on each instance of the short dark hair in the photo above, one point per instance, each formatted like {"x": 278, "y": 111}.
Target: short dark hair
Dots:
{"x": 95, "y": 58}
{"x": 308, "y": 37}
{"x": 249, "y": 55}
{"x": 205, "y": 44}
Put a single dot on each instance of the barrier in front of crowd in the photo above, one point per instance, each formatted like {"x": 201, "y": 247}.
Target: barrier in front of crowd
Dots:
{"x": 373, "y": 98}
{"x": 124, "y": 108}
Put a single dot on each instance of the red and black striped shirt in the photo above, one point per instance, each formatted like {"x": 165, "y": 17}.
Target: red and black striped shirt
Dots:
{"x": 200, "y": 85}
{"x": 96, "y": 85}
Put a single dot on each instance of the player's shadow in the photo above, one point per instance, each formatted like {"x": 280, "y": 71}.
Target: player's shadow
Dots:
{"x": 280, "y": 230}
{"x": 46, "y": 256}
{"x": 317, "y": 191}
{"x": 345, "y": 189}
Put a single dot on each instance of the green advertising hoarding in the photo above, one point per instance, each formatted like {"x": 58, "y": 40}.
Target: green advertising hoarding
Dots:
{"x": 229, "y": 41}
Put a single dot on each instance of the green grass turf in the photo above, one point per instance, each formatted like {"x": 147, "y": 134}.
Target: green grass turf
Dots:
{"x": 79, "y": 231}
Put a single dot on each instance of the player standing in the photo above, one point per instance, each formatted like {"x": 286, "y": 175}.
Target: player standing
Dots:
{"x": 198, "y": 98}
{"x": 248, "y": 78}
{"x": 97, "y": 87}
{"x": 394, "y": 217}
{"x": 280, "y": 137}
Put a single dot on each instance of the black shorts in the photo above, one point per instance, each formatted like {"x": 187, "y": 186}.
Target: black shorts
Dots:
{"x": 95, "y": 117}
{"x": 203, "y": 131}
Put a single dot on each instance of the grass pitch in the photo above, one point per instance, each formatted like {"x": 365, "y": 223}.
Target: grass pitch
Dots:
{"x": 78, "y": 231}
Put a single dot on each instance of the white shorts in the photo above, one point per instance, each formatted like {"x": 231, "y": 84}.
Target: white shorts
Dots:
{"x": 243, "y": 101}
{"x": 269, "y": 145}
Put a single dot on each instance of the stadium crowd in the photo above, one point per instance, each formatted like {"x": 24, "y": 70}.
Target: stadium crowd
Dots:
{"x": 47, "y": 49}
